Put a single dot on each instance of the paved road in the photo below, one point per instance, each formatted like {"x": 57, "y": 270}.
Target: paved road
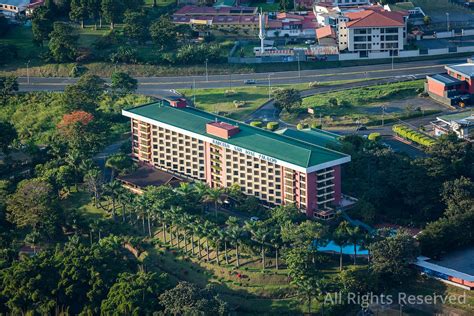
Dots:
{"x": 150, "y": 85}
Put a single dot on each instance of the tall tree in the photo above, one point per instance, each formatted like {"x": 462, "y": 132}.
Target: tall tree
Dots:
{"x": 41, "y": 24}
{"x": 7, "y": 136}
{"x": 8, "y": 86}
{"x": 392, "y": 257}
{"x": 287, "y": 99}
{"x": 112, "y": 10}
{"x": 163, "y": 32}
{"x": 79, "y": 11}
{"x": 33, "y": 205}
{"x": 63, "y": 42}
{"x": 135, "y": 26}
{"x": 341, "y": 238}
{"x": 134, "y": 294}
{"x": 123, "y": 83}
{"x": 188, "y": 298}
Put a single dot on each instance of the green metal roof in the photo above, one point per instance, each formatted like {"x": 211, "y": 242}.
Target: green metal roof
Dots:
{"x": 457, "y": 116}
{"x": 268, "y": 143}
{"x": 313, "y": 136}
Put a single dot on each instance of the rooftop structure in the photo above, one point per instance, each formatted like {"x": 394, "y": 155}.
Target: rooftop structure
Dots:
{"x": 276, "y": 168}
{"x": 222, "y": 17}
{"x": 455, "y": 87}
{"x": 460, "y": 123}
{"x": 15, "y": 7}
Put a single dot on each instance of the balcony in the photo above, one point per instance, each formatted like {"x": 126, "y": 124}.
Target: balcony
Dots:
{"x": 325, "y": 179}
{"x": 327, "y": 200}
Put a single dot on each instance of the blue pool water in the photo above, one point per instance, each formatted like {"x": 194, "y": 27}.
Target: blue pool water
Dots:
{"x": 347, "y": 250}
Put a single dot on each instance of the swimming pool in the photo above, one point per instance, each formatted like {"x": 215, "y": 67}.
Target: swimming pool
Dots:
{"x": 347, "y": 250}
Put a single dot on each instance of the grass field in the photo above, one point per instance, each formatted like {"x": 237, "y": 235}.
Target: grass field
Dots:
{"x": 364, "y": 105}
{"x": 217, "y": 100}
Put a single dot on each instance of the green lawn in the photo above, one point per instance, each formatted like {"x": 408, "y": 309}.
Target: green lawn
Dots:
{"x": 82, "y": 202}
{"x": 159, "y": 3}
{"x": 217, "y": 100}
{"x": 363, "y": 105}
{"x": 440, "y": 6}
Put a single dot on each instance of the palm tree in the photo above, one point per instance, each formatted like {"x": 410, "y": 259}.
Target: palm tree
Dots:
{"x": 186, "y": 219}
{"x": 225, "y": 239}
{"x": 215, "y": 196}
{"x": 201, "y": 189}
{"x": 140, "y": 209}
{"x": 113, "y": 190}
{"x": 74, "y": 159}
{"x": 199, "y": 232}
{"x": 260, "y": 234}
{"x": 354, "y": 237}
{"x": 275, "y": 240}
{"x": 235, "y": 231}
{"x": 341, "y": 238}
{"x": 207, "y": 231}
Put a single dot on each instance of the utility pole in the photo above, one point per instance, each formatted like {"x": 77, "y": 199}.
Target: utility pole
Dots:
{"x": 299, "y": 67}
{"x": 230, "y": 81}
{"x": 269, "y": 87}
{"x": 28, "y": 71}
{"x": 194, "y": 91}
{"x": 447, "y": 20}
{"x": 207, "y": 74}
{"x": 393, "y": 57}
{"x": 383, "y": 114}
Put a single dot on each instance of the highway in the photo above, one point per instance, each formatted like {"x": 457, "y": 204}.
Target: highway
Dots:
{"x": 158, "y": 85}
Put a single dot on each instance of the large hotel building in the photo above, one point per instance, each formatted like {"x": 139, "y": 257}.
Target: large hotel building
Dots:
{"x": 278, "y": 168}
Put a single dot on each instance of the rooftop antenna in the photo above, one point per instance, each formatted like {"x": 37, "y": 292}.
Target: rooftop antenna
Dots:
{"x": 261, "y": 33}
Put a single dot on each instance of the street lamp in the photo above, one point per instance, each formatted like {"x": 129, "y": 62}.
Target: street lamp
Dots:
{"x": 447, "y": 20}
{"x": 299, "y": 67}
{"x": 28, "y": 71}
{"x": 269, "y": 86}
{"x": 383, "y": 113}
{"x": 207, "y": 74}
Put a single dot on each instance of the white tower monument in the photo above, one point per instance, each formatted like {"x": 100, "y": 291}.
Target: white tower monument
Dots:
{"x": 261, "y": 33}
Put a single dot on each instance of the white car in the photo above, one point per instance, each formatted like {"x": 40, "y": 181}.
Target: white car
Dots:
{"x": 309, "y": 42}
{"x": 254, "y": 219}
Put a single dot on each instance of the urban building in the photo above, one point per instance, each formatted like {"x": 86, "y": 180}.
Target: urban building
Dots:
{"x": 372, "y": 30}
{"x": 219, "y": 18}
{"x": 455, "y": 87}
{"x": 13, "y": 8}
{"x": 341, "y": 3}
{"x": 460, "y": 123}
{"x": 275, "y": 168}
{"x": 292, "y": 25}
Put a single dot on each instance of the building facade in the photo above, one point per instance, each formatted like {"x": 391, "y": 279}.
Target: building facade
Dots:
{"x": 275, "y": 168}
{"x": 462, "y": 124}
{"x": 455, "y": 87}
{"x": 371, "y": 31}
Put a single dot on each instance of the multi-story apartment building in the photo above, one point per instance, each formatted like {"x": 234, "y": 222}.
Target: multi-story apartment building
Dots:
{"x": 275, "y": 168}
{"x": 342, "y": 3}
{"x": 372, "y": 30}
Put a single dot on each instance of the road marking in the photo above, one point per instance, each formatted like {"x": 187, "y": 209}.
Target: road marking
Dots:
{"x": 262, "y": 79}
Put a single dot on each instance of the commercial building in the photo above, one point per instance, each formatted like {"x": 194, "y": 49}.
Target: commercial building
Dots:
{"x": 460, "y": 123}
{"x": 275, "y": 168}
{"x": 219, "y": 18}
{"x": 455, "y": 87}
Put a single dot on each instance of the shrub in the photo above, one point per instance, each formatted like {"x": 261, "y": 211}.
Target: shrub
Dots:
{"x": 313, "y": 84}
{"x": 256, "y": 124}
{"x": 374, "y": 137}
{"x": 315, "y": 125}
{"x": 412, "y": 135}
{"x": 299, "y": 126}
{"x": 272, "y": 126}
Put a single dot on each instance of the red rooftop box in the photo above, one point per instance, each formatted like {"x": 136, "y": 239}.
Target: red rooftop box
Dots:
{"x": 178, "y": 103}
{"x": 222, "y": 129}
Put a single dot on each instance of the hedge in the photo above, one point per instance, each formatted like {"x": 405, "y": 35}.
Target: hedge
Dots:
{"x": 272, "y": 126}
{"x": 374, "y": 137}
{"x": 410, "y": 134}
{"x": 256, "y": 124}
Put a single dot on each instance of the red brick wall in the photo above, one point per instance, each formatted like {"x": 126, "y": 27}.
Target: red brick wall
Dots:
{"x": 436, "y": 87}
